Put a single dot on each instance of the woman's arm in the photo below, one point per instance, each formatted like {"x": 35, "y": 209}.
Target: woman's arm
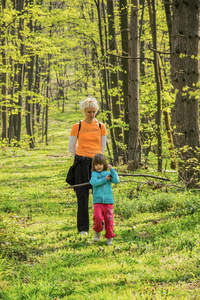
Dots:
{"x": 72, "y": 144}
{"x": 103, "y": 143}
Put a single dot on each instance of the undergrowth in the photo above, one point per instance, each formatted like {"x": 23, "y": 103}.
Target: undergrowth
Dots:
{"x": 156, "y": 252}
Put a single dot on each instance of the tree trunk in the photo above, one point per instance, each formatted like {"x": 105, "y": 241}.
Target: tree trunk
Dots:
{"x": 152, "y": 15}
{"x": 134, "y": 148}
{"x": 142, "y": 42}
{"x": 114, "y": 76}
{"x": 163, "y": 103}
{"x": 29, "y": 100}
{"x": 169, "y": 21}
{"x": 47, "y": 99}
{"x": 104, "y": 75}
{"x": 165, "y": 113}
{"x": 37, "y": 88}
{"x": 125, "y": 65}
{"x": 4, "y": 77}
{"x": 185, "y": 78}
{"x": 20, "y": 72}
{"x": 48, "y": 86}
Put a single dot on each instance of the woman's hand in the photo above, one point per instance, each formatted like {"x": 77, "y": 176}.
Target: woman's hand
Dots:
{"x": 109, "y": 166}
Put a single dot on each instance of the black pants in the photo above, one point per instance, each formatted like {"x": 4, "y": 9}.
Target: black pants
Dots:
{"x": 82, "y": 194}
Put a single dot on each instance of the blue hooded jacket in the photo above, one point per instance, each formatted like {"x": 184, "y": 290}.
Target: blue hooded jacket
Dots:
{"x": 101, "y": 187}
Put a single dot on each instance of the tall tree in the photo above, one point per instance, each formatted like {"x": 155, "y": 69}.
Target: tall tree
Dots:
{"x": 186, "y": 30}
{"x": 105, "y": 81}
{"x": 123, "y": 7}
{"x": 160, "y": 87}
{"x": 48, "y": 79}
{"x": 134, "y": 147}
{"x": 20, "y": 70}
{"x": 4, "y": 73}
{"x": 30, "y": 76}
{"x": 152, "y": 15}
{"x": 114, "y": 75}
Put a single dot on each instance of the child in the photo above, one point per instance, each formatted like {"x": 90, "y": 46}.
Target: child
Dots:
{"x": 103, "y": 197}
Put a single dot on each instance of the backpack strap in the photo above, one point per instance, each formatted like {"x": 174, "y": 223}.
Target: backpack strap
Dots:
{"x": 79, "y": 128}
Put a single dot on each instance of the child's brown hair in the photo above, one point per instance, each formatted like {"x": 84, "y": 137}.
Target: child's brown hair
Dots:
{"x": 99, "y": 159}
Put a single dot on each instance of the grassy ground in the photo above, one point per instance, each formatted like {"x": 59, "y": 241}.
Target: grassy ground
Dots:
{"x": 156, "y": 252}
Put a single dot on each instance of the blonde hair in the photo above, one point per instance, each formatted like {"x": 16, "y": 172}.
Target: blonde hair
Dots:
{"x": 99, "y": 159}
{"x": 89, "y": 102}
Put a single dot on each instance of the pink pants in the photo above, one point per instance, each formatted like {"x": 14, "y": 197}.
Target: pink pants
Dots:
{"x": 104, "y": 212}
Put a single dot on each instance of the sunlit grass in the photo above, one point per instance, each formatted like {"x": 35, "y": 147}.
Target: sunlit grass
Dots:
{"x": 155, "y": 255}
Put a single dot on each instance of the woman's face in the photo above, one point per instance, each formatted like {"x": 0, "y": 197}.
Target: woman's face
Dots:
{"x": 90, "y": 113}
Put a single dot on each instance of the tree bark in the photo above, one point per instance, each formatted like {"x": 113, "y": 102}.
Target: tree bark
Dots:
{"x": 152, "y": 15}
{"x": 185, "y": 78}
{"x": 37, "y": 87}
{"x": 163, "y": 103}
{"x": 169, "y": 21}
{"x": 142, "y": 42}
{"x": 104, "y": 75}
{"x": 3, "y": 77}
{"x": 48, "y": 86}
{"x": 134, "y": 148}
{"x": 125, "y": 65}
{"x": 20, "y": 72}
{"x": 114, "y": 76}
{"x": 29, "y": 100}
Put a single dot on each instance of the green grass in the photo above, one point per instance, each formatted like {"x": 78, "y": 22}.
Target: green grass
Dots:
{"x": 156, "y": 252}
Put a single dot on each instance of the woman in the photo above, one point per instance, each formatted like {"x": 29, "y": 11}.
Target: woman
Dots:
{"x": 91, "y": 136}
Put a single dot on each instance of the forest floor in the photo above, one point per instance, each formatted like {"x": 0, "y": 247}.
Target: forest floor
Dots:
{"x": 156, "y": 252}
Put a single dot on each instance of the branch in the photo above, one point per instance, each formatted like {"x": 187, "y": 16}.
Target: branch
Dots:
{"x": 134, "y": 175}
{"x": 15, "y": 17}
{"x": 145, "y": 175}
{"x": 78, "y": 185}
{"x": 169, "y": 3}
{"x": 162, "y": 52}
{"x": 110, "y": 53}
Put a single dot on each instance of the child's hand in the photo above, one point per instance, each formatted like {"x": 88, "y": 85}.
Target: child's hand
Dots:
{"x": 109, "y": 166}
{"x": 108, "y": 177}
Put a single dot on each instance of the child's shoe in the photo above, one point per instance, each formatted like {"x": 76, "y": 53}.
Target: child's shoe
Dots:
{"x": 97, "y": 236}
{"x": 109, "y": 241}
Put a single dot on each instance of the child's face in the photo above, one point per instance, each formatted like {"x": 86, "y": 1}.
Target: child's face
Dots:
{"x": 99, "y": 167}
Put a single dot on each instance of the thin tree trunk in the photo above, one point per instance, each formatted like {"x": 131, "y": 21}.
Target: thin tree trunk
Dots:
{"x": 48, "y": 88}
{"x": 104, "y": 75}
{"x": 169, "y": 21}
{"x": 47, "y": 100}
{"x": 29, "y": 100}
{"x": 21, "y": 71}
{"x": 4, "y": 77}
{"x": 37, "y": 87}
{"x": 134, "y": 148}
{"x": 163, "y": 104}
{"x": 142, "y": 42}
{"x": 152, "y": 14}
{"x": 114, "y": 76}
{"x": 13, "y": 80}
{"x": 125, "y": 65}
{"x": 165, "y": 113}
